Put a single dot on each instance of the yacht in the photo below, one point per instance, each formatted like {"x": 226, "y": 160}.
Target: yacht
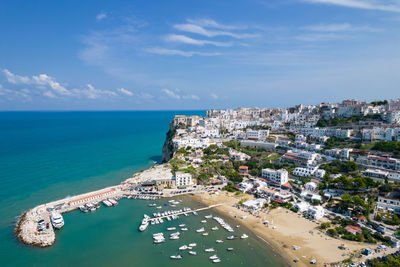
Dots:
{"x": 200, "y": 230}
{"x": 176, "y": 257}
{"x": 184, "y": 247}
{"x": 244, "y": 236}
{"x": 56, "y": 220}
{"x": 144, "y": 225}
{"x": 209, "y": 250}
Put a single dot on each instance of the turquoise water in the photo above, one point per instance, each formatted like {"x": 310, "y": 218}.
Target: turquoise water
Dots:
{"x": 45, "y": 156}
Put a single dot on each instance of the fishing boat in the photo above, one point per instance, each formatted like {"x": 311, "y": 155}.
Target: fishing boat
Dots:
{"x": 244, "y": 236}
{"x": 200, "y": 230}
{"x": 209, "y": 250}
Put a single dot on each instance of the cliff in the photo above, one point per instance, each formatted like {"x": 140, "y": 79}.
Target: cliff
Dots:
{"x": 168, "y": 147}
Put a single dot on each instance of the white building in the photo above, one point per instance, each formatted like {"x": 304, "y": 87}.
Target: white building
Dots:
{"x": 316, "y": 212}
{"x": 279, "y": 177}
{"x": 305, "y": 172}
{"x": 255, "y": 204}
{"x": 183, "y": 179}
{"x": 388, "y": 204}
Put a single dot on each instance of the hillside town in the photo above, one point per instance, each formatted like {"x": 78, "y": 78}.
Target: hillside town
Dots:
{"x": 337, "y": 164}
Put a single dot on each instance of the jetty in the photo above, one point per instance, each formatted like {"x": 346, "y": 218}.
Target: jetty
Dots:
{"x": 186, "y": 212}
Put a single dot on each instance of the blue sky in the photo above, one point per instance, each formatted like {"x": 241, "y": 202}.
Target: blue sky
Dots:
{"x": 128, "y": 55}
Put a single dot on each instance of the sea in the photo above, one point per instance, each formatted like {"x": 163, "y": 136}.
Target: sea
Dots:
{"x": 45, "y": 156}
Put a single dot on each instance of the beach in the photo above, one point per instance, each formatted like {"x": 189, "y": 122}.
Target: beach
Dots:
{"x": 285, "y": 231}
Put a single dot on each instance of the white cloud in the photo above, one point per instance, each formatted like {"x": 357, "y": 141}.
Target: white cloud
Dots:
{"x": 321, "y": 37}
{"x": 16, "y": 79}
{"x": 382, "y": 5}
{"x": 92, "y": 93}
{"x": 174, "y": 52}
{"x": 193, "y": 28}
{"x": 42, "y": 80}
{"x": 171, "y": 94}
{"x": 214, "y": 96}
{"x": 175, "y": 94}
{"x": 213, "y": 24}
{"x": 101, "y": 16}
{"x": 49, "y": 94}
{"x": 189, "y": 40}
{"x": 341, "y": 27}
{"x": 125, "y": 91}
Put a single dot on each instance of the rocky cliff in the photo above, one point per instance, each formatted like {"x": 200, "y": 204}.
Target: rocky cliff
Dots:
{"x": 168, "y": 148}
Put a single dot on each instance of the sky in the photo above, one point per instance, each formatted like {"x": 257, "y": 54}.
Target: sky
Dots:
{"x": 174, "y": 55}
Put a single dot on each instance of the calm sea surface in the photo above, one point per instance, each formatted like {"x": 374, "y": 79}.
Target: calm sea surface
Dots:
{"x": 46, "y": 156}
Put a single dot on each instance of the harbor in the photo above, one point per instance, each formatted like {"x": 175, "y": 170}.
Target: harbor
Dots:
{"x": 35, "y": 226}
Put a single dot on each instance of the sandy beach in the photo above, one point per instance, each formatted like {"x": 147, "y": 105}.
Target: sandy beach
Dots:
{"x": 285, "y": 231}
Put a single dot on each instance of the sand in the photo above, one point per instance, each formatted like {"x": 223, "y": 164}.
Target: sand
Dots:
{"x": 286, "y": 229}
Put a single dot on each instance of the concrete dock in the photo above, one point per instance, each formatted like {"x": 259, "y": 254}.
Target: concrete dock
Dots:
{"x": 187, "y": 212}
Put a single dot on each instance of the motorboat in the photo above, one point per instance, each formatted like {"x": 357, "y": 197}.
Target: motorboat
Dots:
{"x": 182, "y": 225}
{"x": 144, "y": 225}
{"x": 231, "y": 237}
{"x": 192, "y": 244}
{"x": 107, "y": 203}
{"x": 208, "y": 216}
{"x": 184, "y": 247}
{"x": 176, "y": 257}
{"x": 230, "y": 249}
{"x": 219, "y": 241}
{"x": 209, "y": 250}
{"x": 213, "y": 257}
{"x": 171, "y": 228}
{"x": 244, "y": 236}
{"x": 200, "y": 230}
{"x": 205, "y": 234}
{"x": 192, "y": 252}
{"x": 203, "y": 221}
{"x": 215, "y": 228}
{"x": 56, "y": 220}
{"x": 152, "y": 205}
{"x": 216, "y": 260}
{"x": 83, "y": 209}
{"x": 184, "y": 229}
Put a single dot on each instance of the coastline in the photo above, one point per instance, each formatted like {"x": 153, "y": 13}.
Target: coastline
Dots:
{"x": 284, "y": 233}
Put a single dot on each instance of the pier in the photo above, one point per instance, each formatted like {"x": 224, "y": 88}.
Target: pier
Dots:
{"x": 186, "y": 212}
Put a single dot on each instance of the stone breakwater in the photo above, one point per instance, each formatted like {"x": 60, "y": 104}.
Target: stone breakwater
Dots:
{"x": 26, "y": 228}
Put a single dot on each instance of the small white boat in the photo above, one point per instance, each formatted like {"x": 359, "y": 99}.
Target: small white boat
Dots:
{"x": 209, "y": 250}
{"x": 182, "y": 225}
{"x": 200, "y": 230}
{"x": 208, "y": 216}
{"x": 230, "y": 249}
{"x": 215, "y": 228}
{"x": 152, "y": 205}
{"x": 184, "y": 247}
{"x": 244, "y": 236}
{"x": 203, "y": 221}
{"x": 192, "y": 252}
{"x": 176, "y": 257}
{"x": 184, "y": 229}
{"x": 205, "y": 234}
{"x": 107, "y": 203}
{"x": 216, "y": 260}
{"x": 231, "y": 237}
{"x": 192, "y": 244}
{"x": 219, "y": 241}
{"x": 171, "y": 228}
{"x": 213, "y": 257}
